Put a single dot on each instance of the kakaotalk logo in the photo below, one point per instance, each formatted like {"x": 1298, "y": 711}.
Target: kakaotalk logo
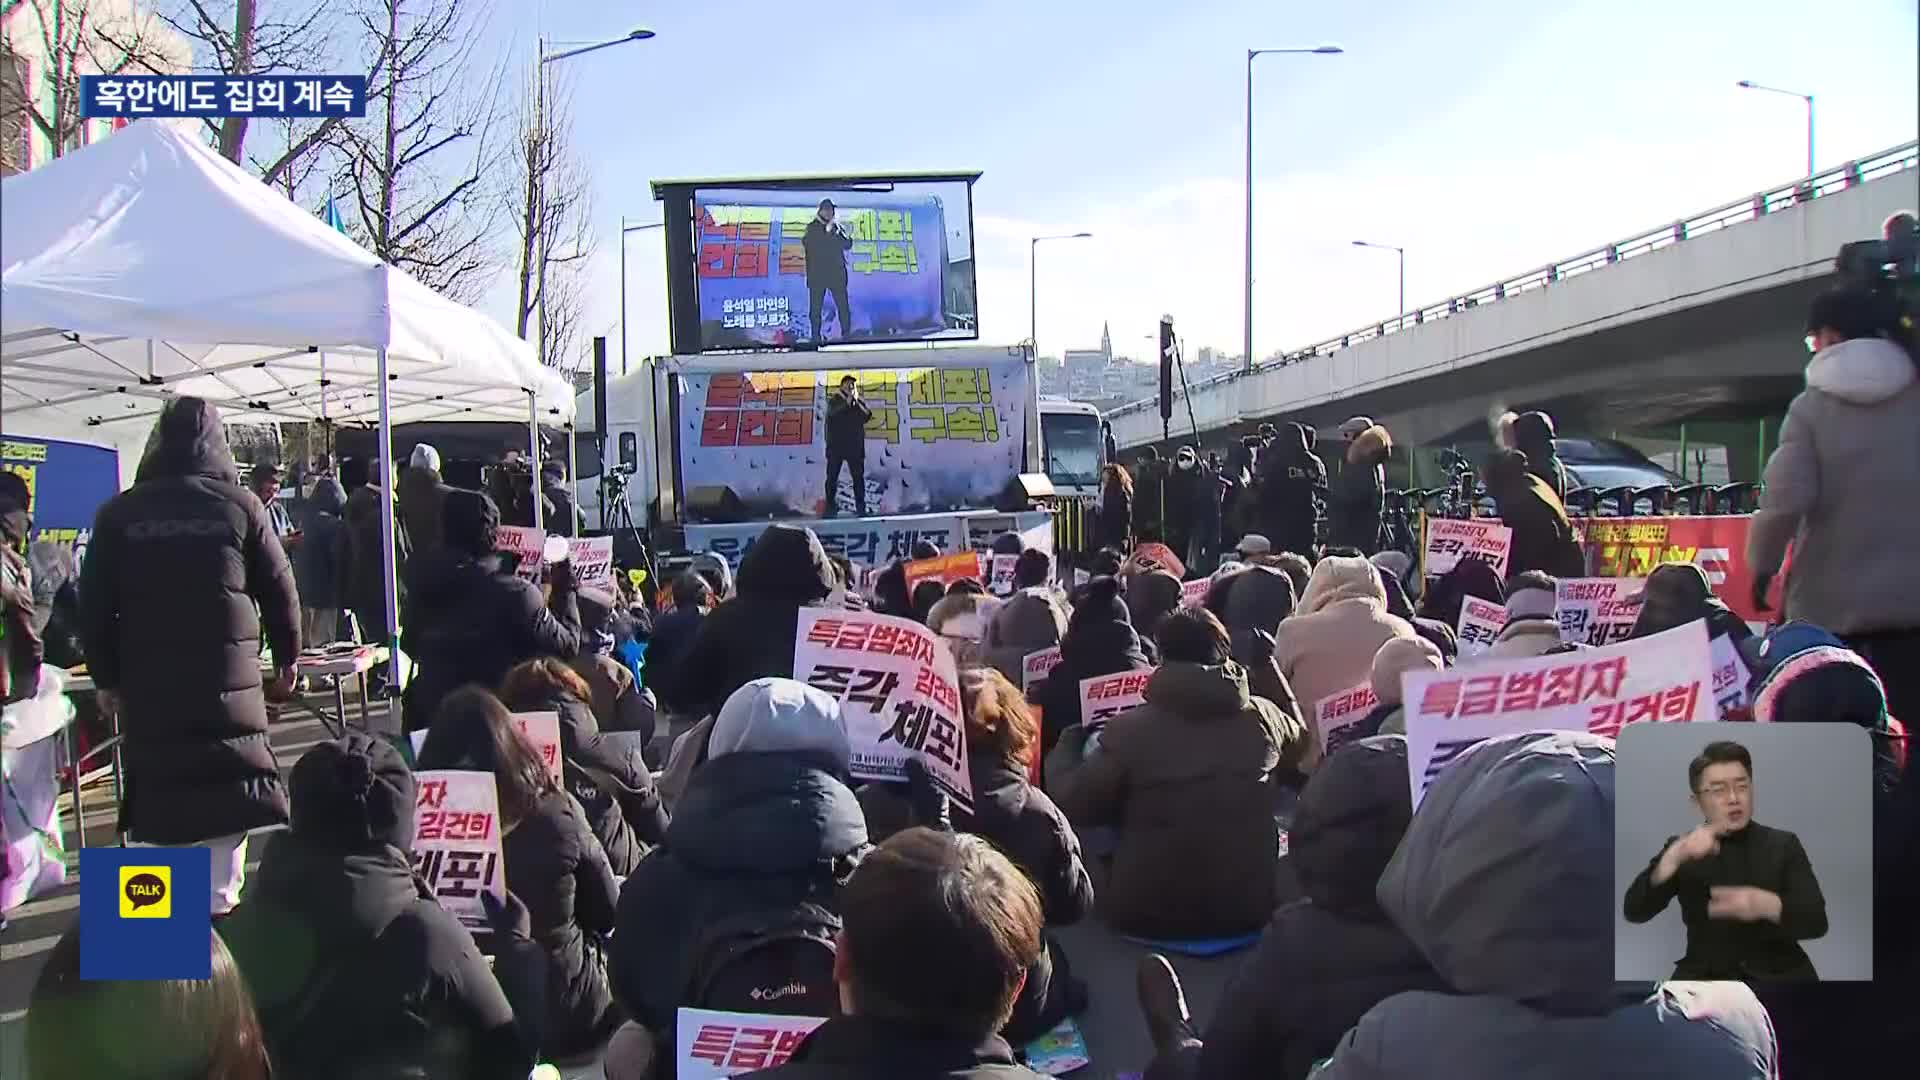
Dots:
{"x": 146, "y": 892}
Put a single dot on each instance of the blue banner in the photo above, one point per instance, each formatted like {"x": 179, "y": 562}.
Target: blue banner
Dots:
{"x": 146, "y": 913}
{"x": 109, "y": 96}
{"x": 68, "y": 482}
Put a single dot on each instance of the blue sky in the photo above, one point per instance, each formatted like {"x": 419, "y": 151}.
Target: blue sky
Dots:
{"x": 1485, "y": 136}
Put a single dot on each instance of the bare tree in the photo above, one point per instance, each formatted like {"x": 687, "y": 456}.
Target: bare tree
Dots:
{"x": 415, "y": 165}
{"x": 552, "y": 212}
{"x": 82, "y": 37}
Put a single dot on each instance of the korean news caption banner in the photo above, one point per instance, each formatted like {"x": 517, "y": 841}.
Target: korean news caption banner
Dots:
{"x": 768, "y": 265}
{"x": 456, "y": 841}
{"x": 67, "y": 482}
{"x": 938, "y": 437}
{"x": 715, "y": 1044}
{"x": 1661, "y": 677}
{"x": 1451, "y": 539}
{"x": 1337, "y": 717}
{"x": 1597, "y": 611}
{"x": 899, "y": 693}
{"x": 132, "y": 96}
{"x": 1633, "y": 546}
{"x": 1480, "y": 624}
{"x": 880, "y": 541}
{"x": 1104, "y": 697}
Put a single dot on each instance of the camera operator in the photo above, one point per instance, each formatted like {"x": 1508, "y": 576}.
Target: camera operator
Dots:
{"x": 1840, "y": 486}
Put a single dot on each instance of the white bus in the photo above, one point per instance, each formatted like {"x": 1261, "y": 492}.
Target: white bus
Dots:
{"x": 1073, "y": 447}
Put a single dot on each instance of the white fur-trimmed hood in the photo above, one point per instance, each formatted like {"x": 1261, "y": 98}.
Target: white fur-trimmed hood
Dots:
{"x": 1861, "y": 371}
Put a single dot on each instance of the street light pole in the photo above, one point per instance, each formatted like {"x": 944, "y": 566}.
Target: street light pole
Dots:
{"x": 1033, "y": 285}
{"x": 624, "y": 230}
{"x": 1247, "y": 337}
{"x": 1749, "y": 84}
{"x": 1402, "y": 253}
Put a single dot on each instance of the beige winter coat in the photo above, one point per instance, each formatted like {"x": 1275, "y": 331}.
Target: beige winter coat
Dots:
{"x": 1327, "y": 645}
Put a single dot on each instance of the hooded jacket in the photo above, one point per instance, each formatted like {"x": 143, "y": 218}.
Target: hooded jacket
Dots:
{"x": 358, "y": 974}
{"x": 1151, "y": 597}
{"x": 1358, "y": 498}
{"x": 1113, "y": 520}
{"x": 856, "y": 1048}
{"x": 1099, "y": 641}
{"x": 1508, "y": 860}
{"x": 1325, "y": 959}
{"x": 1837, "y": 487}
{"x": 1027, "y": 622}
{"x": 316, "y": 564}
{"x": 614, "y": 788}
{"x": 1543, "y": 537}
{"x": 1292, "y": 492}
{"x": 1329, "y": 643}
{"x": 1520, "y": 639}
{"x": 361, "y": 555}
{"x": 557, "y": 867}
{"x": 422, "y": 493}
{"x": 750, "y": 635}
{"x": 1187, "y": 779}
{"x": 1533, "y": 436}
{"x": 1447, "y": 595}
{"x": 168, "y": 593}
{"x": 1258, "y": 598}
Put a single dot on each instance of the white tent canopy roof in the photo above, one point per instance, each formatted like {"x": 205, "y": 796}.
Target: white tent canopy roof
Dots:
{"x": 146, "y": 266}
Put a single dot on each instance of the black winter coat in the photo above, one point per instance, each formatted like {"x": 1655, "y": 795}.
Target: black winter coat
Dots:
{"x": 753, "y": 832}
{"x": 851, "y": 1048}
{"x": 673, "y": 635}
{"x": 422, "y": 494}
{"x": 1113, "y": 524}
{"x": 826, "y": 254}
{"x": 847, "y": 427}
{"x": 1292, "y": 494}
{"x": 363, "y": 582}
{"x": 1089, "y": 649}
{"x": 316, "y": 564}
{"x": 1327, "y": 958}
{"x": 1257, "y": 598}
{"x": 1771, "y": 859}
{"x": 1357, "y": 500}
{"x": 468, "y": 621}
{"x": 559, "y": 871}
{"x": 614, "y": 788}
{"x": 168, "y": 593}
{"x": 1543, "y": 538}
{"x": 751, "y": 635}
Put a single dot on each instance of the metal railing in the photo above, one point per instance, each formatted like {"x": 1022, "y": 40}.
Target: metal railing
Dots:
{"x": 1753, "y": 207}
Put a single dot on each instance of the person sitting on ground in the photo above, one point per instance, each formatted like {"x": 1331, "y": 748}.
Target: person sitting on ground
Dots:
{"x": 766, "y": 834}
{"x": 750, "y": 635}
{"x": 619, "y": 703}
{"x": 1471, "y": 576}
{"x": 1258, "y": 598}
{"x": 555, "y": 864}
{"x": 1150, "y": 598}
{"x": 924, "y": 548}
{"x": 1676, "y": 594}
{"x": 1329, "y": 643}
{"x": 890, "y": 591}
{"x": 1106, "y": 563}
{"x": 160, "y": 1029}
{"x": 925, "y": 595}
{"x": 356, "y": 969}
{"x": 1033, "y": 570}
{"x": 1326, "y": 958}
{"x": 1396, "y": 658}
{"x": 612, "y": 782}
{"x": 1504, "y": 881}
{"x": 1401, "y": 607}
{"x": 1188, "y": 780}
{"x": 1031, "y": 620}
{"x": 673, "y": 634}
{"x": 1533, "y": 623}
{"x": 1543, "y": 536}
{"x": 1099, "y": 641}
{"x": 960, "y": 619}
{"x": 469, "y": 619}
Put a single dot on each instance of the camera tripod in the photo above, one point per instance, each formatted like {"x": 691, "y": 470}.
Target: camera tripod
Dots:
{"x": 630, "y": 545}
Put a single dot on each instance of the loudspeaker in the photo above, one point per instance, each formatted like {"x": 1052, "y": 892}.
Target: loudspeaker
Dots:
{"x": 715, "y": 504}
{"x": 1167, "y": 350}
{"x": 1024, "y": 490}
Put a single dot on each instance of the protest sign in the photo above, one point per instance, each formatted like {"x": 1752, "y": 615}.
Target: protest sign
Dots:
{"x": 592, "y": 558}
{"x": 1633, "y": 546}
{"x": 945, "y": 569}
{"x": 456, "y": 841}
{"x": 542, "y": 730}
{"x": 1480, "y": 623}
{"x": 899, "y": 693}
{"x": 1105, "y": 696}
{"x": 1080, "y": 577}
{"x": 715, "y": 1044}
{"x": 1036, "y": 666}
{"x": 1451, "y": 539}
{"x": 1337, "y": 717}
{"x": 526, "y": 545}
{"x": 1597, "y": 611}
{"x": 1194, "y": 593}
{"x": 1000, "y": 582}
{"x": 1730, "y": 677}
{"x": 1661, "y": 677}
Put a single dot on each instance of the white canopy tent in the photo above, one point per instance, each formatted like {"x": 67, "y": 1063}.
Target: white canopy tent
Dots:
{"x": 146, "y": 266}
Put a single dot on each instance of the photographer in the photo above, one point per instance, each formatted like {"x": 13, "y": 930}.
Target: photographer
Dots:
{"x": 1839, "y": 487}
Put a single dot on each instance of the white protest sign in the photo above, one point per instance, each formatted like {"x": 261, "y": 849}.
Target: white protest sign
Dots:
{"x": 1337, "y": 716}
{"x": 1080, "y": 577}
{"x": 528, "y": 544}
{"x": 1597, "y": 611}
{"x": 1451, "y": 539}
{"x": 1480, "y": 623}
{"x": 456, "y": 841}
{"x": 1730, "y": 677}
{"x": 542, "y": 730}
{"x": 592, "y": 558}
{"x": 1194, "y": 593}
{"x": 1105, "y": 696}
{"x": 1661, "y": 677}
{"x": 1036, "y": 666}
{"x": 1000, "y": 579}
{"x": 899, "y": 693}
{"x": 714, "y": 1044}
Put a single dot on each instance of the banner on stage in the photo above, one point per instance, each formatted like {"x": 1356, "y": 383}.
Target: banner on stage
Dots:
{"x": 1034, "y": 527}
{"x": 945, "y": 569}
{"x": 542, "y": 731}
{"x": 1451, "y": 539}
{"x": 1338, "y": 716}
{"x": 1632, "y": 546}
{"x": 938, "y": 437}
{"x": 1597, "y": 611}
{"x": 898, "y": 689}
{"x": 715, "y": 1044}
{"x": 526, "y": 544}
{"x": 1036, "y": 666}
{"x": 592, "y": 558}
{"x": 456, "y": 841}
{"x": 1104, "y": 697}
{"x": 1662, "y": 677}
{"x": 868, "y": 542}
{"x": 1480, "y": 623}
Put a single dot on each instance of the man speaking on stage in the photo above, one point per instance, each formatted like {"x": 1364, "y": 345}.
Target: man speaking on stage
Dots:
{"x": 847, "y": 418}
{"x": 826, "y": 245}
{"x": 1747, "y": 892}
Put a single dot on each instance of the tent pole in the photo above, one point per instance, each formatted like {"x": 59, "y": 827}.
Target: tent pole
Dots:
{"x": 388, "y": 566}
{"x": 533, "y": 443}
{"x": 573, "y": 467}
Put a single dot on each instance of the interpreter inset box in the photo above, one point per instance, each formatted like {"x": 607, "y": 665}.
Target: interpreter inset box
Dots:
{"x": 1744, "y": 852}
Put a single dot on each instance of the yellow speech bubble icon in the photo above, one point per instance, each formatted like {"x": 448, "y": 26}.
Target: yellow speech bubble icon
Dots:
{"x": 146, "y": 892}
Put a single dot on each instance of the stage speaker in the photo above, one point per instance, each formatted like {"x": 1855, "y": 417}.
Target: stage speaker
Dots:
{"x": 715, "y": 504}
{"x": 1023, "y": 491}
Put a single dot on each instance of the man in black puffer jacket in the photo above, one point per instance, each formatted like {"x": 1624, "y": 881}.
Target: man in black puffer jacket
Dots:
{"x": 1292, "y": 492}
{"x": 177, "y": 564}
{"x": 750, "y": 635}
{"x": 1325, "y": 959}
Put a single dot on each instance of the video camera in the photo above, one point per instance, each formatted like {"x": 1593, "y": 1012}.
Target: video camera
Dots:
{"x": 1891, "y": 261}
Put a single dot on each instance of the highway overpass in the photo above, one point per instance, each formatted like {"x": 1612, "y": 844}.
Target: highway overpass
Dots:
{"x": 1697, "y": 320}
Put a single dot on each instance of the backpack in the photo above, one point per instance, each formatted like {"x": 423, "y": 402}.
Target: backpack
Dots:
{"x": 767, "y": 961}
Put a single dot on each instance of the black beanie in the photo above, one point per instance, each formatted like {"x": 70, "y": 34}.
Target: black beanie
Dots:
{"x": 470, "y": 522}
{"x": 1099, "y": 601}
{"x": 352, "y": 794}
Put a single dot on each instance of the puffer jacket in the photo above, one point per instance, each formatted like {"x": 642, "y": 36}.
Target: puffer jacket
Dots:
{"x": 1329, "y": 643}
{"x": 557, "y": 868}
{"x": 316, "y": 565}
{"x": 1026, "y": 622}
{"x": 1187, "y": 779}
{"x": 1257, "y": 598}
{"x": 1358, "y": 497}
{"x": 361, "y": 557}
{"x": 1533, "y": 436}
{"x": 750, "y": 636}
{"x": 168, "y": 593}
{"x": 1151, "y": 597}
{"x": 1543, "y": 537}
{"x": 1508, "y": 860}
{"x": 1520, "y": 639}
{"x": 1098, "y": 642}
{"x": 1325, "y": 959}
{"x": 1292, "y": 492}
{"x": 467, "y": 620}
{"x": 614, "y": 788}
{"x": 1849, "y": 451}
{"x": 422, "y": 493}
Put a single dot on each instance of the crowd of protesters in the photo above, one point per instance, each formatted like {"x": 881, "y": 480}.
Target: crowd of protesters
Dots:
{"x": 705, "y": 843}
